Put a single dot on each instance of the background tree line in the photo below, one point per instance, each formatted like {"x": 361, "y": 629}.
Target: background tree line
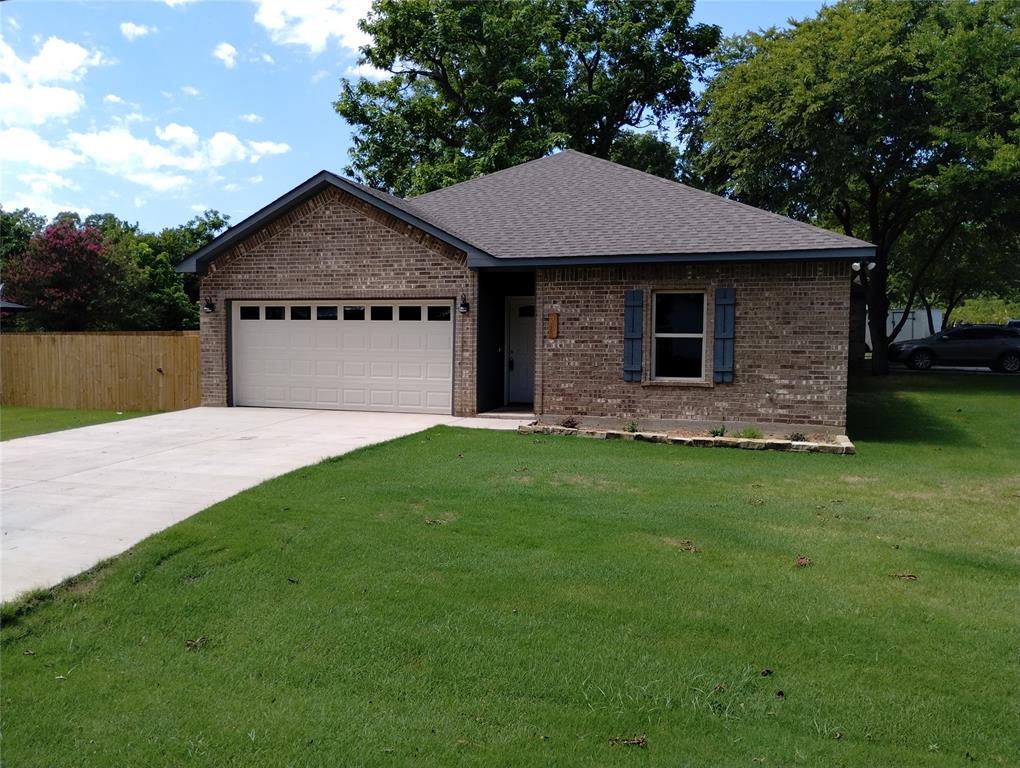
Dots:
{"x": 100, "y": 273}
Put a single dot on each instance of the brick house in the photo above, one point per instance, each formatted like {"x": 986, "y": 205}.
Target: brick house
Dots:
{"x": 568, "y": 285}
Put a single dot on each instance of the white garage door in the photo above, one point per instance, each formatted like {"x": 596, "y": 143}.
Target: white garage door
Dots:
{"x": 349, "y": 355}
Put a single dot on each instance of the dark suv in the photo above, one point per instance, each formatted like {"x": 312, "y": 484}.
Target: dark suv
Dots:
{"x": 972, "y": 345}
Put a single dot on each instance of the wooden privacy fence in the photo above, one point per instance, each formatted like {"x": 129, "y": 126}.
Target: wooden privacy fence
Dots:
{"x": 124, "y": 371}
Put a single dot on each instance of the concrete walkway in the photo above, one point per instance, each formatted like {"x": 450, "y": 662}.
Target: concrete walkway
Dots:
{"x": 69, "y": 499}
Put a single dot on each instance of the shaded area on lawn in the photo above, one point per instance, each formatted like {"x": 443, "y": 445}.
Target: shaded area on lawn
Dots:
{"x": 21, "y": 421}
{"x": 475, "y": 598}
{"x": 937, "y": 409}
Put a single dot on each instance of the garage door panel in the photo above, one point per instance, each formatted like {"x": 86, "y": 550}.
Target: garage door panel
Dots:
{"x": 342, "y": 358}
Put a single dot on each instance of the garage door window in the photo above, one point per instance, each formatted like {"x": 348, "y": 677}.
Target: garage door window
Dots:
{"x": 300, "y": 313}
{"x": 439, "y": 313}
{"x": 382, "y": 313}
{"x": 325, "y": 313}
{"x": 410, "y": 313}
{"x": 354, "y": 313}
{"x": 276, "y": 313}
{"x": 250, "y": 313}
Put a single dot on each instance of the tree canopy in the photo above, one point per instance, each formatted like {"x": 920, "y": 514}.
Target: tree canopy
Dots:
{"x": 101, "y": 273}
{"x": 477, "y": 87}
{"x": 893, "y": 122}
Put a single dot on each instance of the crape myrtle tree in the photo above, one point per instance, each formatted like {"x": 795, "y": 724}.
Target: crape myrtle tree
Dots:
{"x": 474, "y": 87}
{"x": 896, "y": 123}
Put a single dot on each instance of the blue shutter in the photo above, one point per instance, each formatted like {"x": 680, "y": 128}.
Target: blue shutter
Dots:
{"x": 633, "y": 315}
{"x": 725, "y": 306}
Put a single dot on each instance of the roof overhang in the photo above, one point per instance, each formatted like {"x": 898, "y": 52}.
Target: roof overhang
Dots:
{"x": 200, "y": 259}
{"x": 489, "y": 262}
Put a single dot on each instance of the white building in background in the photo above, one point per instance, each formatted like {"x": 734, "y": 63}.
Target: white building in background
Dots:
{"x": 916, "y": 326}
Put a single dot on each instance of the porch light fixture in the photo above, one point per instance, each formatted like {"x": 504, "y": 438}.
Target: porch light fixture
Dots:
{"x": 209, "y": 306}
{"x": 462, "y": 305}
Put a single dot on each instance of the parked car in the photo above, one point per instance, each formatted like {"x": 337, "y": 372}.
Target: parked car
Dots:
{"x": 993, "y": 346}
{"x": 1013, "y": 323}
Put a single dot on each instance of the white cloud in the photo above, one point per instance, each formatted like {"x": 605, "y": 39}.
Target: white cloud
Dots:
{"x": 261, "y": 148}
{"x": 112, "y": 98}
{"x": 44, "y": 204}
{"x": 175, "y": 133}
{"x": 225, "y": 148}
{"x": 175, "y": 3}
{"x": 25, "y": 147}
{"x": 37, "y": 104}
{"x": 44, "y": 183}
{"x": 313, "y": 23}
{"x": 56, "y": 61}
{"x": 319, "y": 74}
{"x": 226, "y": 53}
{"x": 365, "y": 70}
{"x": 14, "y": 23}
{"x": 231, "y": 187}
{"x": 267, "y": 58}
{"x": 190, "y": 90}
{"x": 27, "y": 96}
{"x": 133, "y": 31}
{"x": 199, "y": 207}
{"x": 135, "y": 117}
{"x": 255, "y": 179}
{"x": 251, "y": 117}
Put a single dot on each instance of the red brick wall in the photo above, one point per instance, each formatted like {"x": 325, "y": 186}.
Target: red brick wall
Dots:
{"x": 790, "y": 344}
{"x": 335, "y": 246}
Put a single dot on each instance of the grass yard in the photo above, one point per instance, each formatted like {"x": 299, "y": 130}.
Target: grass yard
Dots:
{"x": 480, "y": 598}
{"x": 21, "y": 421}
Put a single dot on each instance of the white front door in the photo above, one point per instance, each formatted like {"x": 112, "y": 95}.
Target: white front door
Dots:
{"x": 520, "y": 348}
{"x": 344, "y": 354}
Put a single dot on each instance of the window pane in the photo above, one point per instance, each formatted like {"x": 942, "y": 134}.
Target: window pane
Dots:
{"x": 678, "y": 358}
{"x": 325, "y": 313}
{"x": 276, "y": 313}
{"x": 439, "y": 313}
{"x": 354, "y": 313}
{"x": 382, "y": 313}
{"x": 249, "y": 313}
{"x": 679, "y": 313}
{"x": 300, "y": 313}
{"x": 410, "y": 313}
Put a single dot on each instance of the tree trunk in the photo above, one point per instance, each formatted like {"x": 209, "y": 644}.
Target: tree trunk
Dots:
{"x": 878, "y": 311}
{"x": 927, "y": 309}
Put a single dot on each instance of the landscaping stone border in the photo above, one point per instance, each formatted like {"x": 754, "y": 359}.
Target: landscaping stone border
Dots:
{"x": 841, "y": 446}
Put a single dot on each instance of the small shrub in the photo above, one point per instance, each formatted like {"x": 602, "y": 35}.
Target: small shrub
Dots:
{"x": 632, "y": 426}
{"x": 718, "y": 431}
{"x": 571, "y": 422}
{"x": 750, "y": 433}
{"x": 797, "y": 437}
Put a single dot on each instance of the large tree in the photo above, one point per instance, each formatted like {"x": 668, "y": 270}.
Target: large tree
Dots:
{"x": 475, "y": 87}
{"x": 873, "y": 118}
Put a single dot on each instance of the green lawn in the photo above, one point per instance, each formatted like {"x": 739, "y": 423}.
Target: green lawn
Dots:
{"x": 479, "y": 598}
{"x": 19, "y": 421}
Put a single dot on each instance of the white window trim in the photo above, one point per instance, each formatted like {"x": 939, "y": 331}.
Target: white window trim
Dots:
{"x": 703, "y": 336}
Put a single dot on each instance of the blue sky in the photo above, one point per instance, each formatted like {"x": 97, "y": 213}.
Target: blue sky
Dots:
{"x": 157, "y": 110}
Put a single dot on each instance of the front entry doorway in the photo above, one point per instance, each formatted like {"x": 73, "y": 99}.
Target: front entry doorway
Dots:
{"x": 520, "y": 350}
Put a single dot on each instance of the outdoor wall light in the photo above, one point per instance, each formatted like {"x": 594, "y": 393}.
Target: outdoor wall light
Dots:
{"x": 462, "y": 305}
{"x": 856, "y": 266}
{"x": 209, "y": 306}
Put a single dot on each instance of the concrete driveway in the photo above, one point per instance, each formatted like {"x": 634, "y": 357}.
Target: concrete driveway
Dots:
{"x": 70, "y": 499}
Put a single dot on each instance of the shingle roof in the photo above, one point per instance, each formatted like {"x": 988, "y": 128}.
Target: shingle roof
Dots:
{"x": 571, "y": 205}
